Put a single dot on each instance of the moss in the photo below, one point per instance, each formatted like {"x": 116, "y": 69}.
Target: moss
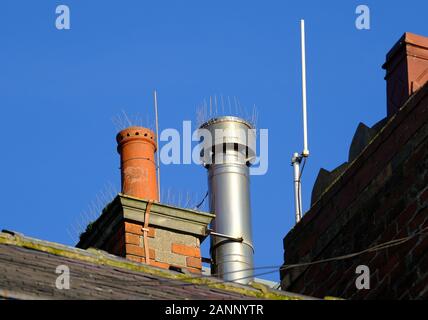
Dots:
{"x": 251, "y": 292}
{"x": 332, "y": 298}
{"x": 101, "y": 258}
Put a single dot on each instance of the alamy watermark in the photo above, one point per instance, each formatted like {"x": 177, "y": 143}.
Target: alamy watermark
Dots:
{"x": 363, "y": 20}
{"x": 62, "y": 21}
{"x": 363, "y": 280}
{"x": 202, "y": 147}
{"x": 63, "y": 280}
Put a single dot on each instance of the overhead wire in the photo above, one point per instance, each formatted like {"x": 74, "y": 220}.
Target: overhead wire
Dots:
{"x": 382, "y": 246}
{"x": 198, "y": 206}
{"x": 299, "y": 194}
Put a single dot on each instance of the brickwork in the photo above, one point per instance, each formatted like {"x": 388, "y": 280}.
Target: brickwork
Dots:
{"x": 381, "y": 196}
{"x": 173, "y": 239}
{"x": 166, "y": 248}
{"x": 406, "y": 70}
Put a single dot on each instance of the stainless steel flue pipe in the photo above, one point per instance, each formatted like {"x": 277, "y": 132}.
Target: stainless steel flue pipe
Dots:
{"x": 228, "y": 149}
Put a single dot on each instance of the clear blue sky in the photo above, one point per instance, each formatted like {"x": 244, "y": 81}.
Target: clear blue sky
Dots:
{"x": 60, "y": 89}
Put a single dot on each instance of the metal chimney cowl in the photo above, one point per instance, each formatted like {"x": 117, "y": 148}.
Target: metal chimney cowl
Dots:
{"x": 228, "y": 151}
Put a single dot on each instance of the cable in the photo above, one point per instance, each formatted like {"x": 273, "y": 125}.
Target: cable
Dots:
{"x": 202, "y": 202}
{"x": 299, "y": 194}
{"x": 303, "y": 168}
{"x": 382, "y": 246}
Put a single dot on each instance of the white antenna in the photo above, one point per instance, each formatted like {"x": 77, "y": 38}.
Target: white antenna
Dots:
{"x": 305, "y": 152}
{"x": 297, "y": 158}
{"x": 157, "y": 143}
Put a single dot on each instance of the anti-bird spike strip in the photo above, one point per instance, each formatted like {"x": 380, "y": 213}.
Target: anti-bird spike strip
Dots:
{"x": 217, "y": 107}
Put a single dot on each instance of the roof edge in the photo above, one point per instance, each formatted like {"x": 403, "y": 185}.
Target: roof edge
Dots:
{"x": 103, "y": 258}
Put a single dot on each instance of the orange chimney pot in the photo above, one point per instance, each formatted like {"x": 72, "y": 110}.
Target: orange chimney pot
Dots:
{"x": 137, "y": 147}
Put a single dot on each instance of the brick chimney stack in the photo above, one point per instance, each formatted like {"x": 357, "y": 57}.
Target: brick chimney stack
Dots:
{"x": 139, "y": 228}
{"x": 406, "y": 70}
{"x": 137, "y": 147}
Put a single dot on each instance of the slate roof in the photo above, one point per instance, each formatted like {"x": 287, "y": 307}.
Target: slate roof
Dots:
{"x": 27, "y": 271}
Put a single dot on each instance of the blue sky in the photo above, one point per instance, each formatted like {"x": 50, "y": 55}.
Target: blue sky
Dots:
{"x": 60, "y": 89}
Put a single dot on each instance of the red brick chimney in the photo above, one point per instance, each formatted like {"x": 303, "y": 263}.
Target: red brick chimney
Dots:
{"x": 406, "y": 70}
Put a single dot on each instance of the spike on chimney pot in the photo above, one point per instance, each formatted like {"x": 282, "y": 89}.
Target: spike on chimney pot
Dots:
{"x": 137, "y": 147}
{"x": 406, "y": 70}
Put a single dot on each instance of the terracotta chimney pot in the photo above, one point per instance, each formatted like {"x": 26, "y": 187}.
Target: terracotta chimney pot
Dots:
{"x": 137, "y": 147}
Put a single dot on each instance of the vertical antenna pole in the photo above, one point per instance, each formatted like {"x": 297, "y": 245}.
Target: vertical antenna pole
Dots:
{"x": 305, "y": 152}
{"x": 157, "y": 143}
{"x": 297, "y": 158}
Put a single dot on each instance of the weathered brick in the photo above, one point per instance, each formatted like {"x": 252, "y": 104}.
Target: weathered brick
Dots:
{"x": 423, "y": 264}
{"x": 133, "y": 228}
{"x": 134, "y": 258}
{"x": 152, "y": 262}
{"x": 159, "y": 264}
{"x": 417, "y": 222}
{"x": 194, "y": 262}
{"x": 139, "y": 251}
{"x": 402, "y": 233}
{"x": 152, "y": 232}
{"x": 405, "y": 248}
{"x": 406, "y": 281}
{"x": 407, "y": 214}
{"x": 331, "y": 282}
{"x": 388, "y": 233}
{"x": 416, "y": 291}
{"x": 138, "y": 229}
{"x": 376, "y": 200}
{"x": 396, "y": 272}
{"x": 421, "y": 249}
{"x": 424, "y": 197}
{"x": 387, "y": 267}
{"x": 297, "y": 286}
{"x": 383, "y": 291}
{"x": 132, "y": 238}
{"x": 185, "y": 250}
{"x": 378, "y": 259}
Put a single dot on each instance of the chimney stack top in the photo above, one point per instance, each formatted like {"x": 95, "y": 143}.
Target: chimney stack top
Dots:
{"x": 133, "y": 133}
{"x": 406, "y": 69}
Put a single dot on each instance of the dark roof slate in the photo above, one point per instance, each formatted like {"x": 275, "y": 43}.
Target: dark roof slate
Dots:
{"x": 27, "y": 271}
